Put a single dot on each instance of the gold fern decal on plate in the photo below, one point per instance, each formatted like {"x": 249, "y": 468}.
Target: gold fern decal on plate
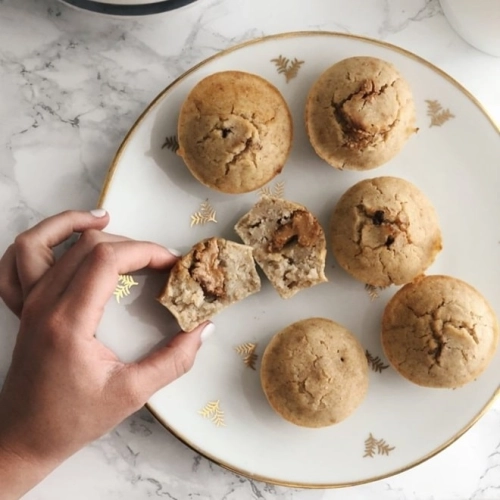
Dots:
{"x": 277, "y": 191}
{"x": 373, "y": 291}
{"x": 171, "y": 143}
{"x": 376, "y": 447}
{"x": 204, "y": 215}
{"x": 375, "y": 363}
{"x": 247, "y": 352}
{"x": 212, "y": 412}
{"x": 438, "y": 115}
{"x": 287, "y": 67}
{"x": 125, "y": 283}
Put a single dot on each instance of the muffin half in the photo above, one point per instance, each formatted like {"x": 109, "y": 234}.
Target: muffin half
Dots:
{"x": 288, "y": 242}
{"x": 213, "y": 275}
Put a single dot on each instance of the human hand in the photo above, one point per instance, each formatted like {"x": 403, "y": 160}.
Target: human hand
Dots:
{"x": 31, "y": 255}
{"x": 65, "y": 388}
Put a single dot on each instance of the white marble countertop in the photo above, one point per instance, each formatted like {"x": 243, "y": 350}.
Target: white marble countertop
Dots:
{"x": 72, "y": 84}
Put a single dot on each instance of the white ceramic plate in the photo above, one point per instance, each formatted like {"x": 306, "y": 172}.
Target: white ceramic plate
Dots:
{"x": 219, "y": 408}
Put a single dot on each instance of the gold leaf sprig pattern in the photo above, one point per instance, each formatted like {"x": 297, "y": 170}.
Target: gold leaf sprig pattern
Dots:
{"x": 125, "y": 283}
{"x": 247, "y": 352}
{"x": 376, "y": 447}
{"x": 438, "y": 115}
{"x": 204, "y": 215}
{"x": 287, "y": 67}
{"x": 277, "y": 191}
{"x": 375, "y": 363}
{"x": 171, "y": 143}
{"x": 213, "y": 412}
{"x": 373, "y": 291}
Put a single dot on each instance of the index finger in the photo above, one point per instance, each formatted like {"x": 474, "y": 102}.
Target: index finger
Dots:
{"x": 34, "y": 247}
{"x": 10, "y": 287}
{"x": 96, "y": 279}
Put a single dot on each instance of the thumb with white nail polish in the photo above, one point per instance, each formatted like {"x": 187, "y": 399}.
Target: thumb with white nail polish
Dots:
{"x": 207, "y": 332}
{"x": 174, "y": 252}
{"x": 98, "y": 212}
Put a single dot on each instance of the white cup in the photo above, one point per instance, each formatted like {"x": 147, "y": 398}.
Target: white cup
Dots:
{"x": 476, "y": 21}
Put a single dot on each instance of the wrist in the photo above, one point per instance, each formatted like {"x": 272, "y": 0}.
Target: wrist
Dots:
{"x": 21, "y": 466}
{"x": 19, "y": 472}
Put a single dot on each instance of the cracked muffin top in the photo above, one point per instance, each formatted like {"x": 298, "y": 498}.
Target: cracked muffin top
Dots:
{"x": 314, "y": 373}
{"x": 439, "y": 332}
{"x": 234, "y": 131}
{"x": 384, "y": 231}
{"x": 359, "y": 113}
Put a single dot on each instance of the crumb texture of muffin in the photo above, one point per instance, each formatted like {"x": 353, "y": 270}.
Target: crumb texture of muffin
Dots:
{"x": 289, "y": 244}
{"x": 234, "y": 131}
{"x": 385, "y": 231}
{"x": 359, "y": 113}
{"x": 314, "y": 373}
{"x": 213, "y": 275}
{"x": 439, "y": 332}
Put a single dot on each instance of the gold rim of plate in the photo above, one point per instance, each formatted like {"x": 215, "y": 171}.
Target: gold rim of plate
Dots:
{"x": 109, "y": 178}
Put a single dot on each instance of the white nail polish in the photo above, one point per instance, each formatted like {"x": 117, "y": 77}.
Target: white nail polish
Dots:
{"x": 207, "y": 332}
{"x": 98, "y": 212}
{"x": 174, "y": 252}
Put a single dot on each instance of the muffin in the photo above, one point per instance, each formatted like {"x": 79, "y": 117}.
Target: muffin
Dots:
{"x": 288, "y": 244}
{"x": 314, "y": 373}
{"x": 359, "y": 113}
{"x": 234, "y": 131}
{"x": 384, "y": 231}
{"x": 439, "y": 332}
{"x": 213, "y": 275}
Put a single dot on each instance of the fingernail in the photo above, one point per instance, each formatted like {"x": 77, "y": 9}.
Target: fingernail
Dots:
{"x": 174, "y": 252}
{"x": 98, "y": 212}
{"x": 207, "y": 332}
